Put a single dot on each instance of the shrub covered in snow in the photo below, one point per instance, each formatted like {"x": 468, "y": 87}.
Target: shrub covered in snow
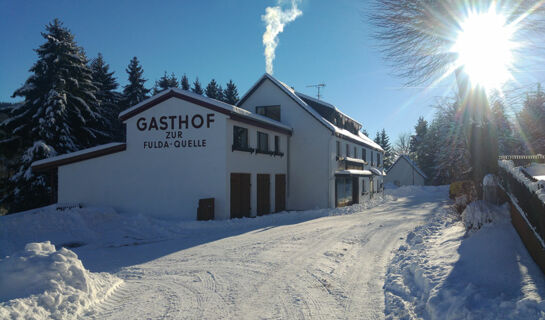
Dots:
{"x": 479, "y": 213}
{"x": 42, "y": 282}
{"x": 462, "y": 192}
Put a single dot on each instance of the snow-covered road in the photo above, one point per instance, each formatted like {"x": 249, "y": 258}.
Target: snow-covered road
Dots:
{"x": 298, "y": 267}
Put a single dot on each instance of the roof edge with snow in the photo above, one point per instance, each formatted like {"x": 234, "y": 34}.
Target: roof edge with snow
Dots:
{"x": 411, "y": 163}
{"x": 81, "y": 155}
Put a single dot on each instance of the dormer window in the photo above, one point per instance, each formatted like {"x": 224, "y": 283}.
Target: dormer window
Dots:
{"x": 272, "y": 112}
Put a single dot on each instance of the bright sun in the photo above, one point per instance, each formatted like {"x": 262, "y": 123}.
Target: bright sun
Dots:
{"x": 485, "y": 47}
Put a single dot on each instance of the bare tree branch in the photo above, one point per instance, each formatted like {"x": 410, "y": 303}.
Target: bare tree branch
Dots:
{"x": 416, "y": 36}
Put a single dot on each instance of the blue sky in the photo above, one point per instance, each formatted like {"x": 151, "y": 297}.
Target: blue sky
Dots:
{"x": 330, "y": 43}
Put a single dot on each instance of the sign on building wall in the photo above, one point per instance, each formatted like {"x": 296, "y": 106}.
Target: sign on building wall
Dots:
{"x": 175, "y": 131}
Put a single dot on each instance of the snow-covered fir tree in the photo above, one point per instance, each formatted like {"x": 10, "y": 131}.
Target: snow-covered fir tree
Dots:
{"x": 420, "y": 152}
{"x": 506, "y": 140}
{"x": 184, "y": 83}
{"x": 134, "y": 92}
{"x": 212, "y": 90}
{"x": 197, "y": 88}
{"x": 108, "y": 99}
{"x": 165, "y": 82}
{"x": 532, "y": 121}
{"x": 448, "y": 143}
{"x": 59, "y": 114}
{"x": 385, "y": 144}
{"x": 230, "y": 94}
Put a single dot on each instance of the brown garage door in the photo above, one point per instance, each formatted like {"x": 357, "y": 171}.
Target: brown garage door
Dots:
{"x": 240, "y": 195}
{"x": 279, "y": 192}
{"x": 263, "y": 194}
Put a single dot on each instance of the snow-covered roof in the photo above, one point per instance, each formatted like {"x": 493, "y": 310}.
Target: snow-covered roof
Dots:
{"x": 354, "y": 172}
{"x": 78, "y": 156}
{"x": 411, "y": 163}
{"x": 360, "y": 138}
{"x": 201, "y": 100}
{"x": 377, "y": 172}
{"x": 356, "y": 160}
{"x": 325, "y": 104}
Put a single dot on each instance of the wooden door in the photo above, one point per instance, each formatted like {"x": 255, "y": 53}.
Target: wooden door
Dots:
{"x": 263, "y": 194}
{"x": 355, "y": 190}
{"x": 240, "y": 195}
{"x": 279, "y": 192}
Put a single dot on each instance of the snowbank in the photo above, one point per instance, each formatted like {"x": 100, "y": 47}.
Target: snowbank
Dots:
{"x": 442, "y": 272}
{"x": 94, "y": 226}
{"x": 42, "y": 282}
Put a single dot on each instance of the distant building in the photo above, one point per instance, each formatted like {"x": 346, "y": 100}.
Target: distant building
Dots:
{"x": 276, "y": 150}
{"x": 404, "y": 172}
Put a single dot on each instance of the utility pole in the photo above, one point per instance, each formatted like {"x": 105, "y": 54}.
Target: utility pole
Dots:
{"x": 318, "y": 86}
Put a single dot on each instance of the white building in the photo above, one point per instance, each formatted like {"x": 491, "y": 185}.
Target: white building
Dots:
{"x": 404, "y": 172}
{"x": 276, "y": 150}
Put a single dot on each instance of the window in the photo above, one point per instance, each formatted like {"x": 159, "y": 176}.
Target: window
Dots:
{"x": 276, "y": 144}
{"x": 338, "y": 148}
{"x": 378, "y": 159}
{"x": 355, "y": 152}
{"x": 364, "y": 154}
{"x": 272, "y": 112}
{"x": 347, "y": 150}
{"x": 371, "y": 156}
{"x": 262, "y": 142}
{"x": 240, "y": 138}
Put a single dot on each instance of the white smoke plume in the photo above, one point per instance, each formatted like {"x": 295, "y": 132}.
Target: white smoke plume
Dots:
{"x": 276, "y": 19}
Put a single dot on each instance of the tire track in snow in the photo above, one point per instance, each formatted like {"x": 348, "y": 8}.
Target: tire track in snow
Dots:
{"x": 325, "y": 268}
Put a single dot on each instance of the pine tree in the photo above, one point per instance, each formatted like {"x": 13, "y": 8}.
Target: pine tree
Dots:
{"x": 59, "y": 114}
{"x": 230, "y": 94}
{"x": 212, "y": 90}
{"x": 134, "y": 92}
{"x": 184, "y": 83}
{"x": 417, "y": 148}
{"x": 165, "y": 82}
{"x": 385, "y": 144}
{"x": 221, "y": 97}
{"x": 377, "y": 138}
{"x": 197, "y": 88}
{"x": 364, "y": 132}
{"x": 422, "y": 150}
{"x": 108, "y": 99}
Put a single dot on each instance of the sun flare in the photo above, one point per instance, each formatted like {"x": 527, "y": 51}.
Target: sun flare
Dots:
{"x": 485, "y": 46}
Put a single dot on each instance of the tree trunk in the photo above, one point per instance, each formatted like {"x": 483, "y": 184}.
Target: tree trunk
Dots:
{"x": 480, "y": 129}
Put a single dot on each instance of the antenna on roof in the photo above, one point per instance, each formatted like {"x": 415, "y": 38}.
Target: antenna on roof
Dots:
{"x": 318, "y": 86}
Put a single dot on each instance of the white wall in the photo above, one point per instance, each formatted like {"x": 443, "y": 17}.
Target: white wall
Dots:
{"x": 309, "y": 149}
{"x": 160, "y": 182}
{"x": 245, "y": 162}
{"x": 404, "y": 174}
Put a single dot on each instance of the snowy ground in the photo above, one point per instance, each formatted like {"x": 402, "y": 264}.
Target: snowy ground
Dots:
{"x": 404, "y": 257}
